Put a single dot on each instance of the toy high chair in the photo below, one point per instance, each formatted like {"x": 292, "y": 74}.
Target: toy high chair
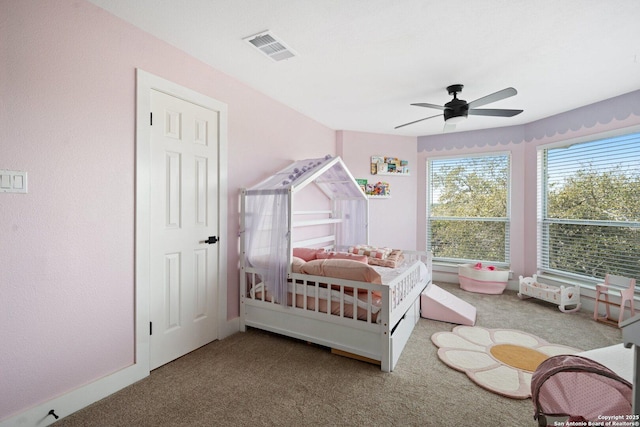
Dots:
{"x": 602, "y": 296}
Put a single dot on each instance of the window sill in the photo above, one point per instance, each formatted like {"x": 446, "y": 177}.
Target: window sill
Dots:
{"x": 452, "y": 267}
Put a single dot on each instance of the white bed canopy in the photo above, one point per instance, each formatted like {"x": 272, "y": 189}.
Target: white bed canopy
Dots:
{"x": 268, "y": 216}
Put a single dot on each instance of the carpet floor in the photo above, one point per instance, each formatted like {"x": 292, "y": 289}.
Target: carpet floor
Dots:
{"x": 261, "y": 379}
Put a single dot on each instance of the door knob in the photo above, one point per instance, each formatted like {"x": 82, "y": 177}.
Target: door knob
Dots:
{"x": 212, "y": 239}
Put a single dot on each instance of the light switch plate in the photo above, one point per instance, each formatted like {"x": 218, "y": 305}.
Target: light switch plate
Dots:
{"x": 13, "y": 181}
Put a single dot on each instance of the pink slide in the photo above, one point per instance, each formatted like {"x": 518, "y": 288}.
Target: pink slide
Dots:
{"x": 438, "y": 304}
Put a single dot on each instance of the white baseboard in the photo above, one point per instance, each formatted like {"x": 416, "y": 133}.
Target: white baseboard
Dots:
{"x": 229, "y": 328}
{"x": 77, "y": 399}
{"x": 84, "y": 396}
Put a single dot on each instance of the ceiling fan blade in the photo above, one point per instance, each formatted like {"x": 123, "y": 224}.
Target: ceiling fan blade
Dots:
{"x": 493, "y": 112}
{"x": 424, "y": 104}
{"x": 496, "y": 96}
{"x": 416, "y": 121}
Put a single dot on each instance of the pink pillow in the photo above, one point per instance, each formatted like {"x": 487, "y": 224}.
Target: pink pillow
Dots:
{"x": 296, "y": 264}
{"x": 342, "y": 255}
{"x": 395, "y": 258}
{"x": 370, "y": 251}
{"x": 342, "y": 269}
{"x": 307, "y": 254}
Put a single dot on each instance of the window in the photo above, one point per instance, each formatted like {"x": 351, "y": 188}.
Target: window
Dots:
{"x": 468, "y": 208}
{"x": 589, "y": 208}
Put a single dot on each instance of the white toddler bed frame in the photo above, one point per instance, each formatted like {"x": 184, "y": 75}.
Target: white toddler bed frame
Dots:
{"x": 375, "y": 333}
{"x": 335, "y": 217}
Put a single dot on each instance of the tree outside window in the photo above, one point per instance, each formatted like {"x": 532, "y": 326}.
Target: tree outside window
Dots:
{"x": 468, "y": 208}
{"x": 589, "y": 215}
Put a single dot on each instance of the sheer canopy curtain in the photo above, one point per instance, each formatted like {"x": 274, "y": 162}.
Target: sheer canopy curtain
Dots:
{"x": 353, "y": 230}
{"x": 267, "y": 237}
{"x": 267, "y": 210}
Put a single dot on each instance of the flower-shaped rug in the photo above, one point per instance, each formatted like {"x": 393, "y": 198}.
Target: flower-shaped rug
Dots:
{"x": 499, "y": 360}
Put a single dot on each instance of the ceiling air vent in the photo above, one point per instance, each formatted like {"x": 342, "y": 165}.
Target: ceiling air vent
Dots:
{"x": 268, "y": 44}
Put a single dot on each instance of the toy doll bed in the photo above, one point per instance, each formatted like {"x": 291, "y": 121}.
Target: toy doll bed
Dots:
{"x": 307, "y": 274}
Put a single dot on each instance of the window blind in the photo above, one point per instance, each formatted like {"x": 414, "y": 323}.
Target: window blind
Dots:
{"x": 589, "y": 208}
{"x": 468, "y": 208}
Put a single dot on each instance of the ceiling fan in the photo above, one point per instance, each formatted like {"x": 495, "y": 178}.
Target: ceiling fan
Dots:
{"x": 456, "y": 110}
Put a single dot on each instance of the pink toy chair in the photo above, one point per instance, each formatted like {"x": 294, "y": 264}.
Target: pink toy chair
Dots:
{"x": 602, "y": 296}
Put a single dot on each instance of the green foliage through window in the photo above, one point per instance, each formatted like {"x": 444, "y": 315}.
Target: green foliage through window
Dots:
{"x": 590, "y": 212}
{"x": 468, "y": 209}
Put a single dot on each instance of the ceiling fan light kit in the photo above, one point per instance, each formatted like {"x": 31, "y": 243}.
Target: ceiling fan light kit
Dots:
{"x": 457, "y": 110}
{"x": 455, "y": 120}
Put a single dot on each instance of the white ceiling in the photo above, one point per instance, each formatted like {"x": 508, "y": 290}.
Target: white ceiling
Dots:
{"x": 360, "y": 63}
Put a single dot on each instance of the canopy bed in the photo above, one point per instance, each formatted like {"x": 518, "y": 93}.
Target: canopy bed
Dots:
{"x": 310, "y": 273}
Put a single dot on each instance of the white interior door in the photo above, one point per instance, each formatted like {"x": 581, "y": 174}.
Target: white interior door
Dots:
{"x": 183, "y": 215}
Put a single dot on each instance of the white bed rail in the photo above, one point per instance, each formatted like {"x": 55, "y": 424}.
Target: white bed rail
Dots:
{"x": 311, "y": 292}
{"x": 321, "y": 310}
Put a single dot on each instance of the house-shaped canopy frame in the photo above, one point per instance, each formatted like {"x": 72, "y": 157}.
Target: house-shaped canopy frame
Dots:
{"x": 269, "y": 224}
{"x": 330, "y": 174}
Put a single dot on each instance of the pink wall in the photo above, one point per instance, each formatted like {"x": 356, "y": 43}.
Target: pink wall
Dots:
{"x": 67, "y": 117}
{"x": 392, "y": 222}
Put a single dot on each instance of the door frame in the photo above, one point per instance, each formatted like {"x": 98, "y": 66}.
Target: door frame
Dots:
{"x": 145, "y": 82}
